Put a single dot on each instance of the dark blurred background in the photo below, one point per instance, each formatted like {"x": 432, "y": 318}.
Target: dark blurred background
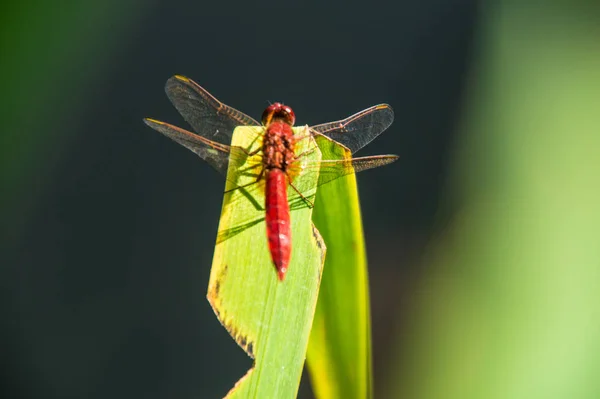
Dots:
{"x": 108, "y": 228}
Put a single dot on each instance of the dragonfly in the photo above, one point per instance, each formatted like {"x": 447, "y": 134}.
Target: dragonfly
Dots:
{"x": 213, "y": 123}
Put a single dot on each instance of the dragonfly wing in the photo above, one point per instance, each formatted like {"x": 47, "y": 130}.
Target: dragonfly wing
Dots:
{"x": 209, "y": 117}
{"x": 332, "y": 169}
{"x": 360, "y": 129}
{"x": 216, "y": 154}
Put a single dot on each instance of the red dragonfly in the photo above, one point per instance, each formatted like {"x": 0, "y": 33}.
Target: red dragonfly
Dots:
{"x": 214, "y": 123}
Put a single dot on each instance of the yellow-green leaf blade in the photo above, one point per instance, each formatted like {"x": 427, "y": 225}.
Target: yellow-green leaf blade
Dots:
{"x": 270, "y": 319}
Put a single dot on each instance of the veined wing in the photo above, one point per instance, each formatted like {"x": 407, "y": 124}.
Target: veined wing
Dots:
{"x": 360, "y": 129}
{"x": 216, "y": 154}
{"x": 209, "y": 117}
{"x": 332, "y": 169}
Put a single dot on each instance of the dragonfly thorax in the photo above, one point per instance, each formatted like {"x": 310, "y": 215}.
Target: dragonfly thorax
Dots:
{"x": 278, "y": 146}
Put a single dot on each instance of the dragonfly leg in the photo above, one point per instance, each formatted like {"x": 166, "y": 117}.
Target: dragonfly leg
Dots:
{"x": 250, "y": 154}
{"x": 308, "y": 202}
{"x": 260, "y": 176}
{"x": 299, "y": 138}
{"x": 306, "y": 152}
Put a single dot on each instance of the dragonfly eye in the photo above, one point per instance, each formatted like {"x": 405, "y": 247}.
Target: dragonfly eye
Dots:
{"x": 288, "y": 115}
{"x": 278, "y": 111}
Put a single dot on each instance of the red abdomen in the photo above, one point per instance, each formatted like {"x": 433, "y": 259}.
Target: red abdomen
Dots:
{"x": 277, "y": 219}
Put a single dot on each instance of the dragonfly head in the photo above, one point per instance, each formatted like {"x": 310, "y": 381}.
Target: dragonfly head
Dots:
{"x": 278, "y": 111}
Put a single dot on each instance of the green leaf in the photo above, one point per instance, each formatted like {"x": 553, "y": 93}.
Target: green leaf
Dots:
{"x": 270, "y": 319}
{"x": 339, "y": 352}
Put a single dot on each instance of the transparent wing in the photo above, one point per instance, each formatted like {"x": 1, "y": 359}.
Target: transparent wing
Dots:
{"x": 209, "y": 117}
{"x": 360, "y": 129}
{"x": 216, "y": 154}
{"x": 214, "y": 123}
{"x": 332, "y": 169}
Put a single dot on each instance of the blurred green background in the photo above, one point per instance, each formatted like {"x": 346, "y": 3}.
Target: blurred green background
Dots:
{"x": 483, "y": 239}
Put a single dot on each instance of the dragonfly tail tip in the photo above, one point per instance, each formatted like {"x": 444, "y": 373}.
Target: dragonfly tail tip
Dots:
{"x": 281, "y": 273}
